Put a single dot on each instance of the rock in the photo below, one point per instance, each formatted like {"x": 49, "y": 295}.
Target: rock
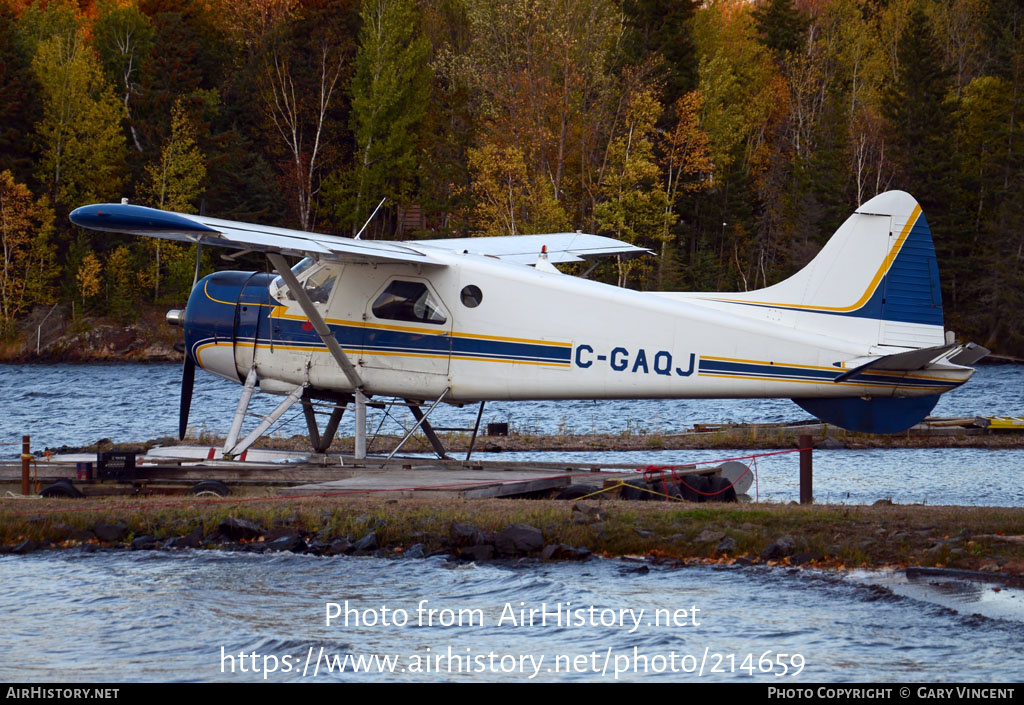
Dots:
{"x": 339, "y": 547}
{"x": 464, "y": 534}
{"x": 415, "y": 551}
{"x": 194, "y": 538}
{"x": 643, "y": 533}
{"x": 239, "y": 529}
{"x": 780, "y": 548}
{"x": 886, "y": 502}
{"x": 519, "y": 539}
{"x": 365, "y": 544}
{"x": 726, "y": 545}
{"x": 709, "y": 535}
{"x": 804, "y": 557}
{"x": 481, "y": 552}
{"x": 830, "y": 443}
{"x": 317, "y": 547}
{"x": 292, "y": 544}
{"x": 278, "y": 532}
{"x": 26, "y": 546}
{"x": 110, "y": 532}
{"x": 742, "y": 560}
{"x": 563, "y": 552}
{"x": 587, "y": 514}
{"x": 144, "y": 542}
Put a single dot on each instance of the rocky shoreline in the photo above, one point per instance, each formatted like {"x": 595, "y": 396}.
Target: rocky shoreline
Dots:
{"x": 988, "y": 541}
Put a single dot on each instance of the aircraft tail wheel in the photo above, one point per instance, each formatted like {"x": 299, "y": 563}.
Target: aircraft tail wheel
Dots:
{"x": 210, "y": 488}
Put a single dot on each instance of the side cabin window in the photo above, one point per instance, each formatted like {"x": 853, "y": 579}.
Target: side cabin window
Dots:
{"x": 408, "y": 301}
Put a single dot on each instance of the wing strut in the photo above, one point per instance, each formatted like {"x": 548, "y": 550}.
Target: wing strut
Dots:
{"x": 281, "y": 265}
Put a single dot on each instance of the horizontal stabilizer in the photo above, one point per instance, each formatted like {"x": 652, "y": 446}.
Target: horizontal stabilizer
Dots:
{"x": 971, "y": 353}
{"x": 904, "y": 361}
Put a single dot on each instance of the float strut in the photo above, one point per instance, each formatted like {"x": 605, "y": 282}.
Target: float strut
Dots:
{"x": 419, "y": 422}
{"x": 476, "y": 429}
{"x": 267, "y": 421}
{"x": 243, "y": 406}
{"x": 428, "y": 430}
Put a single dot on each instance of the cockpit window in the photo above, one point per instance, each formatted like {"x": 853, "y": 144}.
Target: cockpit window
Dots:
{"x": 319, "y": 285}
{"x": 408, "y": 301}
{"x": 302, "y": 265}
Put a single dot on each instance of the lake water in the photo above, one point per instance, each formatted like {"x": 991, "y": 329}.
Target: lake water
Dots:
{"x": 190, "y": 616}
{"x": 80, "y": 404}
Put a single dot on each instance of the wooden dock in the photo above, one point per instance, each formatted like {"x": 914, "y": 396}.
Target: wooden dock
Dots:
{"x": 295, "y": 474}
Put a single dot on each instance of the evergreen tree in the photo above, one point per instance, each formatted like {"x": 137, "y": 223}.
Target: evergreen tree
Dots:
{"x": 922, "y": 121}
{"x": 663, "y": 28}
{"x": 781, "y": 26}
{"x": 19, "y": 101}
{"x": 390, "y": 91}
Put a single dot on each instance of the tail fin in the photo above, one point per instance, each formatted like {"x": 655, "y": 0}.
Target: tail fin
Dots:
{"x": 876, "y": 278}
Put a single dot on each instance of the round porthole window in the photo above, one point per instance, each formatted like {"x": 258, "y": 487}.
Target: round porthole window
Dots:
{"x": 472, "y": 296}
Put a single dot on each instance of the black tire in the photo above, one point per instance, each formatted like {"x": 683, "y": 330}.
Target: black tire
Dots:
{"x": 210, "y": 488}
{"x": 692, "y": 488}
{"x": 635, "y": 490}
{"x": 674, "y": 491}
{"x": 720, "y": 489}
{"x": 63, "y": 489}
{"x": 576, "y": 491}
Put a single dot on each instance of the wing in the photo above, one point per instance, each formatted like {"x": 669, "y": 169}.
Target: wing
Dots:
{"x": 185, "y": 227}
{"x": 139, "y": 220}
{"x": 523, "y": 249}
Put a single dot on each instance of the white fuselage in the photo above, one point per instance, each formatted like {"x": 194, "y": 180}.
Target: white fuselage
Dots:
{"x": 544, "y": 335}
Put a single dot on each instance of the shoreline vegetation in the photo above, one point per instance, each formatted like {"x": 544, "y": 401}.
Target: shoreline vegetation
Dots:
{"x": 981, "y": 542}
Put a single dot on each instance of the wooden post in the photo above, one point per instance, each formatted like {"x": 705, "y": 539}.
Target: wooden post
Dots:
{"x": 806, "y": 470}
{"x": 26, "y": 454}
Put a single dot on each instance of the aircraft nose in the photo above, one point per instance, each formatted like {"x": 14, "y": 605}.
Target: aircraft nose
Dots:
{"x": 209, "y": 320}
{"x": 220, "y": 316}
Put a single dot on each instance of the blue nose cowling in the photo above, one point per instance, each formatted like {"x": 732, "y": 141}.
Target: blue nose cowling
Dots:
{"x": 226, "y": 307}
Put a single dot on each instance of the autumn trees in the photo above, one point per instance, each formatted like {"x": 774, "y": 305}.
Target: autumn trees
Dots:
{"x": 729, "y": 137}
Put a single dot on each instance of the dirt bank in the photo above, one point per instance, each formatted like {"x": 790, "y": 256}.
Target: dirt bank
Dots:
{"x": 984, "y": 539}
{"x": 55, "y": 335}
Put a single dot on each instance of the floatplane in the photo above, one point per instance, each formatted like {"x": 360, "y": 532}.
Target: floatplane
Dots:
{"x": 856, "y": 338}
